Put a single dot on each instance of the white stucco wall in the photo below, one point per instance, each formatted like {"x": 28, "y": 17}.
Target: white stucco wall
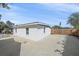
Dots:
{"x": 34, "y": 33}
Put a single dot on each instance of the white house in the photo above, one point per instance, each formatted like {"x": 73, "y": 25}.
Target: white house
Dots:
{"x": 34, "y": 31}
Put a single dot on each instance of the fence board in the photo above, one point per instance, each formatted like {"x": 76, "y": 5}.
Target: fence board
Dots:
{"x": 65, "y": 31}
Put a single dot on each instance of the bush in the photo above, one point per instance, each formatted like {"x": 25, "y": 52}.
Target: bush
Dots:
{"x": 56, "y": 27}
{"x": 76, "y": 26}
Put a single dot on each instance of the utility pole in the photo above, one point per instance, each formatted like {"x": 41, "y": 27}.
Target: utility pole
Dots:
{"x": 0, "y": 16}
{"x": 60, "y": 24}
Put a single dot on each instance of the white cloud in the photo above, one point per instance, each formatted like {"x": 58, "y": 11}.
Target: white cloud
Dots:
{"x": 62, "y": 7}
{"x": 15, "y": 14}
{"x": 17, "y": 18}
{"x": 17, "y": 8}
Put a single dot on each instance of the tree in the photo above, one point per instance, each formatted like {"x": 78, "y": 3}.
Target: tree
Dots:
{"x": 74, "y": 19}
{"x": 4, "y": 5}
{"x": 10, "y": 25}
{"x": 56, "y": 27}
{"x": 2, "y": 25}
{"x": 6, "y": 27}
{"x": 0, "y": 16}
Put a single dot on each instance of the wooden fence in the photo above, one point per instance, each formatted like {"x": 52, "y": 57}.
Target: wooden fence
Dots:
{"x": 74, "y": 32}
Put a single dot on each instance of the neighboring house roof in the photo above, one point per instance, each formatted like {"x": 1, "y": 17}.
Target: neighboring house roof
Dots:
{"x": 32, "y": 25}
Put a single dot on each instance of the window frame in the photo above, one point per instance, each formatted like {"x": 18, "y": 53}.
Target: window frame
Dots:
{"x": 44, "y": 29}
{"x": 27, "y": 31}
{"x": 16, "y": 30}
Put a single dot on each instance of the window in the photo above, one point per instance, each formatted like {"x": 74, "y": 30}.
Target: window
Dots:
{"x": 16, "y": 30}
{"x": 44, "y": 29}
{"x": 27, "y": 30}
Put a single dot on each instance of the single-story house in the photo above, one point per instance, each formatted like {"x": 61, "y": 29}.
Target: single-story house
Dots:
{"x": 34, "y": 31}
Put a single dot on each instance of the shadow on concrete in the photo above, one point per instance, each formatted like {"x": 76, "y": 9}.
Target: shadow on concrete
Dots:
{"x": 71, "y": 46}
{"x": 9, "y": 47}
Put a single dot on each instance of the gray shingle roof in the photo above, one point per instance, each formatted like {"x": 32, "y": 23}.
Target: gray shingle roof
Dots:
{"x": 32, "y": 25}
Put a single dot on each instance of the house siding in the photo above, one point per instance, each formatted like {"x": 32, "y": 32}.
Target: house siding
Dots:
{"x": 34, "y": 33}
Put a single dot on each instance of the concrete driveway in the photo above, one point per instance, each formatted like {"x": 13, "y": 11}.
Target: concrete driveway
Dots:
{"x": 46, "y": 47}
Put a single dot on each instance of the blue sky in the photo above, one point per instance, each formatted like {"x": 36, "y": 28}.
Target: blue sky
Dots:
{"x": 50, "y": 13}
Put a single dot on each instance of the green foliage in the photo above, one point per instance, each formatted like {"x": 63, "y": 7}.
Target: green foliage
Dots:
{"x": 2, "y": 25}
{"x": 76, "y": 26}
{"x": 9, "y": 24}
{"x": 6, "y": 27}
{"x": 4, "y": 5}
{"x": 73, "y": 19}
{"x": 56, "y": 27}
